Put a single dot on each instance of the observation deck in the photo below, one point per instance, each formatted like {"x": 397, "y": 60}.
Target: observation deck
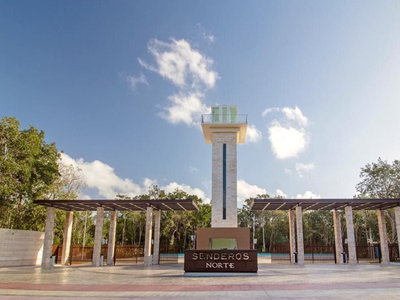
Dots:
{"x": 224, "y": 119}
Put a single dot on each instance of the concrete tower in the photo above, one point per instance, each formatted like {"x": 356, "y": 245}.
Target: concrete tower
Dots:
{"x": 224, "y": 129}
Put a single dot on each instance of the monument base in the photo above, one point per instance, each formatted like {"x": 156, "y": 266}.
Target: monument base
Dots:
{"x": 216, "y": 238}
{"x": 217, "y": 274}
{"x": 221, "y": 261}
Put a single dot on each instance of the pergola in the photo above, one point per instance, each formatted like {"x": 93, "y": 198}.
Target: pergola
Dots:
{"x": 152, "y": 207}
{"x": 348, "y": 205}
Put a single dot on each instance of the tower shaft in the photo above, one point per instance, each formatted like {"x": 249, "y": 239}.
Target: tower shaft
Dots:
{"x": 224, "y": 179}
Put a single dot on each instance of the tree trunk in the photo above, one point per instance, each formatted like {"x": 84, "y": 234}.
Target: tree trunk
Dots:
{"x": 263, "y": 233}
{"x": 133, "y": 231}
{"x": 172, "y": 240}
{"x": 123, "y": 231}
{"x": 392, "y": 238}
{"x": 271, "y": 239}
{"x": 140, "y": 233}
{"x": 84, "y": 231}
{"x": 254, "y": 230}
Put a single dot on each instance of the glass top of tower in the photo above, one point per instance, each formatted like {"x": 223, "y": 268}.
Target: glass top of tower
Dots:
{"x": 224, "y": 118}
{"x": 224, "y": 114}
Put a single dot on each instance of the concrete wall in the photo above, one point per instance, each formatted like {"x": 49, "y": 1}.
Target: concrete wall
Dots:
{"x": 218, "y": 139}
{"x": 241, "y": 234}
{"x": 20, "y": 247}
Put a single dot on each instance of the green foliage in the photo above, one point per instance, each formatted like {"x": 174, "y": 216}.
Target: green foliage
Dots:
{"x": 31, "y": 169}
{"x": 28, "y": 168}
{"x": 319, "y": 228}
{"x": 176, "y": 227}
{"x": 268, "y": 227}
{"x": 380, "y": 180}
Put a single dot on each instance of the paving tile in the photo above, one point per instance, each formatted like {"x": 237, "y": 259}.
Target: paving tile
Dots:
{"x": 167, "y": 282}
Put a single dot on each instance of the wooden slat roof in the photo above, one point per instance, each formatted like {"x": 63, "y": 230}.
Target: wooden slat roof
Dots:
{"x": 122, "y": 205}
{"x": 323, "y": 204}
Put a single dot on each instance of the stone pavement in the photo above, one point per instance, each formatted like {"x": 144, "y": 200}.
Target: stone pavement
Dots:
{"x": 318, "y": 281}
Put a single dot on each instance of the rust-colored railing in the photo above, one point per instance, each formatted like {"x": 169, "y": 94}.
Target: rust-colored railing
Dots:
{"x": 124, "y": 254}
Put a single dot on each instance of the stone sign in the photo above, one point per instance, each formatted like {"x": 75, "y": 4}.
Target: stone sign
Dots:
{"x": 221, "y": 261}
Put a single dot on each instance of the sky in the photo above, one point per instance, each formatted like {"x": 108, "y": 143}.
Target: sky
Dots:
{"x": 120, "y": 86}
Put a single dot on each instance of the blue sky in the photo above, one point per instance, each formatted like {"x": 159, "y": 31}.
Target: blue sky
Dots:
{"x": 120, "y": 86}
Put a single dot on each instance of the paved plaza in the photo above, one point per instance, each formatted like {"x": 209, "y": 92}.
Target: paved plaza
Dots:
{"x": 318, "y": 281}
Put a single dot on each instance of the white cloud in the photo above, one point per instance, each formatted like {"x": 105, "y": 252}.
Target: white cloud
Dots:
{"x": 288, "y": 171}
{"x": 281, "y": 193}
{"x": 286, "y": 142}
{"x": 147, "y": 183}
{"x": 100, "y": 176}
{"x": 253, "y": 135}
{"x": 295, "y": 114}
{"x": 185, "y": 108}
{"x": 288, "y": 136}
{"x": 181, "y": 64}
{"x": 134, "y": 81}
{"x": 191, "y": 191}
{"x": 292, "y": 114}
{"x": 206, "y": 183}
{"x": 308, "y": 195}
{"x": 246, "y": 191}
{"x": 206, "y": 35}
{"x": 190, "y": 71}
{"x": 268, "y": 110}
{"x": 300, "y": 168}
{"x": 193, "y": 169}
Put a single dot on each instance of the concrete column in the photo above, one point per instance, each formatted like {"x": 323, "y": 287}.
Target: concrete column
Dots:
{"x": 300, "y": 241}
{"x": 397, "y": 217}
{"x": 111, "y": 238}
{"x": 156, "y": 249}
{"x": 148, "y": 236}
{"x": 67, "y": 238}
{"x": 292, "y": 235}
{"x": 351, "y": 241}
{"x": 337, "y": 226}
{"x": 48, "y": 237}
{"x": 383, "y": 237}
{"x": 224, "y": 178}
{"x": 98, "y": 237}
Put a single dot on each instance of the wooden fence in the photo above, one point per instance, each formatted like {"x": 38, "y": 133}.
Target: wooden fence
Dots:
{"x": 124, "y": 254}
{"x": 326, "y": 254}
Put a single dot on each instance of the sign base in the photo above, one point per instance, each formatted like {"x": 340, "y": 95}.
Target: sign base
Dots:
{"x": 217, "y": 274}
{"x": 221, "y": 261}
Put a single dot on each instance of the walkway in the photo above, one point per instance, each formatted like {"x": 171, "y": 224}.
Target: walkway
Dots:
{"x": 320, "y": 281}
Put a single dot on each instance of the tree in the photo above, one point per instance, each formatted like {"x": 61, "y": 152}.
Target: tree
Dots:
{"x": 273, "y": 225}
{"x": 28, "y": 168}
{"x": 68, "y": 185}
{"x": 176, "y": 226}
{"x": 381, "y": 180}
